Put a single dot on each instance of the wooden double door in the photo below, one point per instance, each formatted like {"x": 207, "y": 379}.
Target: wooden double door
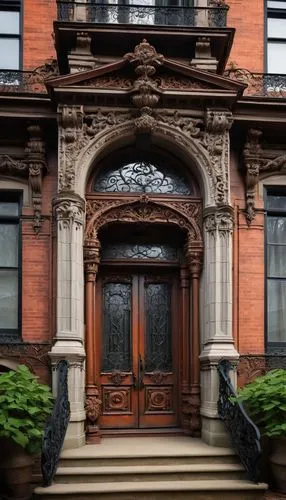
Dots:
{"x": 138, "y": 336}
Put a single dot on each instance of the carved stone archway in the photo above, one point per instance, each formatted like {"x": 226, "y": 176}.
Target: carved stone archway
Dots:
{"x": 187, "y": 216}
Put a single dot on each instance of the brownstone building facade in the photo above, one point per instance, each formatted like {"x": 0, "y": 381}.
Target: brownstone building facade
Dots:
{"x": 142, "y": 203}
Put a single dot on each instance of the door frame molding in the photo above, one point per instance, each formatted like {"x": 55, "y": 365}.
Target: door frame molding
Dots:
{"x": 185, "y": 213}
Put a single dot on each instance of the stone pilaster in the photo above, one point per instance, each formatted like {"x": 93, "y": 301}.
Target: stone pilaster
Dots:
{"x": 217, "y": 340}
{"x": 69, "y": 213}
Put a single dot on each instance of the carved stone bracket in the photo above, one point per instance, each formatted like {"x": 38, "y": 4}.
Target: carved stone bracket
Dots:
{"x": 220, "y": 220}
{"x": 258, "y": 162}
{"x": 33, "y": 165}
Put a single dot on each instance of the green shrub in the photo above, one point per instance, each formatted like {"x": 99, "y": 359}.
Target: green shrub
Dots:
{"x": 25, "y": 405}
{"x": 265, "y": 401}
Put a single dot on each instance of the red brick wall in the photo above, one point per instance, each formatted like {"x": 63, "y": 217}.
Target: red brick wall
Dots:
{"x": 247, "y": 17}
{"x": 248, "y": 272}
{"x": 38, "y": 44}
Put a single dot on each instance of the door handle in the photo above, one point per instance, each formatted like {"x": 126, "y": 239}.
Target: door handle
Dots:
{"x": 134, "y": 381}
{"x": 141, "y": 372}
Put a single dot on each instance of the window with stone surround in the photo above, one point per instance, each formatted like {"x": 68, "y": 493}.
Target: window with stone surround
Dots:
{"x": 10, "y": 34}
{"x": 10, "y": 275}
{"x": 276, "y": 36}
{"x": 276, "y": 268}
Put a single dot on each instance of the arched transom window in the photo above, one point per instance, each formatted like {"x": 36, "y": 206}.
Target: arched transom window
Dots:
{"x": 138, "y": 173}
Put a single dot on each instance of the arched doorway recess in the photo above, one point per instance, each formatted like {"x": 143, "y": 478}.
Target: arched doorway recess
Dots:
{"x": 148, "y": 193}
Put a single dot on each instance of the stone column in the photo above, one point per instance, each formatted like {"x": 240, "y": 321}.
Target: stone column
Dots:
{"x": 217, "y": 317}
{"x": 69, "y": 209}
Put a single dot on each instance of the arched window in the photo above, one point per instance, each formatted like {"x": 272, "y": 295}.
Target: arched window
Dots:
{"x": 140, "y": 173}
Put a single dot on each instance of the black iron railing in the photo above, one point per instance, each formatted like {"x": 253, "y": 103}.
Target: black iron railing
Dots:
{"x": 117, "y": 13}
{"x": 56, "y": 428}
{"x": 22, "y": 81}
{"x": 244, "y": 434}
{"x": 259, "y": 84}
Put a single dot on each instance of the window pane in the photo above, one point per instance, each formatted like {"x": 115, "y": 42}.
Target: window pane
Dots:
{"x": 272, "y": 4}
{"x": 276, "y": 202}
{"x": 9, "y": 53}
{"x": 276, "y": 230}
{"x": 276, "y": 58}
{"x": 9, "y": 208}
{"x": 8, "y": 298}
{"x": 9, "y": 245}
{"x": 276, "y": 261}
{"x": 276, "y": 27}
{"x": 276, "y": 310}
{"x": 9, "y": 22}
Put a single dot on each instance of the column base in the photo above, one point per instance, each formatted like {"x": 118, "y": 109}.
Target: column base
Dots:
{"x": 72, "y": 350}
{"x": 214, "y": 350}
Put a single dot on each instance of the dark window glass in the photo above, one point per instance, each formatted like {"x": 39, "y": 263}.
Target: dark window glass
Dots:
{"x": 9, "y": 271}
{"x": 276, "y": 36}
{"x": 116, "y": 327}
{"x": 276, "y": 269}
{"x": 139, "y": 251}
{"x": 142, "y": 177}
{"x": 158, "y": 336}
{"x": 10, "y": 34}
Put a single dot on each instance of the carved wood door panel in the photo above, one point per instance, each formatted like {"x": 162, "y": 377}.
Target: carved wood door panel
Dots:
{"x": 138, "y": 354}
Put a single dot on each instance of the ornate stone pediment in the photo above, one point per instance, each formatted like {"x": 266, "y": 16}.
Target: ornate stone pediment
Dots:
{"x": 166, "y": 75}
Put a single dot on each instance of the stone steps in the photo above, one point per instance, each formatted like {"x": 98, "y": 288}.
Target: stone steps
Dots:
{"x": 170, "y": 468}
{"x": 175, "y": 472}
{"x": 156, "y": 490}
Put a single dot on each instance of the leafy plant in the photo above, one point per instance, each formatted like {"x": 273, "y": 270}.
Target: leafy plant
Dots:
{"x": 265, "y": 401}
{"x": 25, "y": 405}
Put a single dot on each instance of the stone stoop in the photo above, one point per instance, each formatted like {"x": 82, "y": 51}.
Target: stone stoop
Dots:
{"x": 150, "y": 468}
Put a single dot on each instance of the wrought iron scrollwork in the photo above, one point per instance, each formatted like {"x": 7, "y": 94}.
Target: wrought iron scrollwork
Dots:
{"x": 123, "y": 13}
{"x": 56, "y": 427}
{"x": 244, "y": 434}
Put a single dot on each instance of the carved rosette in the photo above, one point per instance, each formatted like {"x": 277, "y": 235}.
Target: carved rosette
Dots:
{"x": 69, "y": 210}
{"x": 219, "y": 222}
{"x": 257, "y": 162}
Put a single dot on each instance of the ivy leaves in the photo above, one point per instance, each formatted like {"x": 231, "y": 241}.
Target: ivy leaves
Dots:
{"x": 265, "y": 401}
{"x": 25, "y": 405}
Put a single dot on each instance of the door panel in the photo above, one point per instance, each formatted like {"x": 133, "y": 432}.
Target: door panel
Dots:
{"x": 118, "y": 342}
{"x": 157, "y": 402}
{"x": 138, "y": 362}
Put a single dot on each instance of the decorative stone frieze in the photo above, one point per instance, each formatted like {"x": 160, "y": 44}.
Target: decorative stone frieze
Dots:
{"x": 258, "y": 162}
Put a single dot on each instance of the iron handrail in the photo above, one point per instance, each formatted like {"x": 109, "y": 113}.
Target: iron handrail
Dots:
{"x": 244, "y": 434}
{"x": 56, "y": 427}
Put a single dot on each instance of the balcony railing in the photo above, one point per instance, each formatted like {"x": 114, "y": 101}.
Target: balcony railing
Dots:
{"x": 22, "y": 81}
{"x": 259, "y": 84}
{"x": 144, "y": 14}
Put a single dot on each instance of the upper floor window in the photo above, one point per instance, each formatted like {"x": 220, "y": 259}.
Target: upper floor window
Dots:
{"x": 10, "y": 34}
{"x": 276, "y": 36}
{"x": 9, "y": 267}
{"x": 276, "y": 268}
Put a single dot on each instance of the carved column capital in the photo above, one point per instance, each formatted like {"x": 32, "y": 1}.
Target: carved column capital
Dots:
{"x": 69, "y": 209}
{"x": 91, "y": 252}
{"x": 70, "y": 119}
{"x": 219, "y": 221}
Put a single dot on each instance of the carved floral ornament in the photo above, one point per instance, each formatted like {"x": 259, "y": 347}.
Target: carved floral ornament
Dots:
{"x": 258, "y": 162}
{"x": 83, "y": 134}
{"x": 70, "y": 210}
{"x": 33, "y": 165}
{"x": 219, "y": 221}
